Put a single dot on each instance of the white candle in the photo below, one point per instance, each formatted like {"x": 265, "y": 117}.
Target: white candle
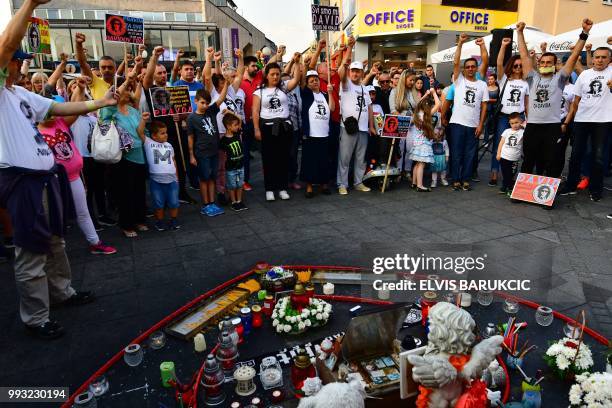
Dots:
{"x": 199, "y": 342}
{"x": 466, "y": 299}
{"x": 384, "y": 294}
{"x": 328, "y": 289}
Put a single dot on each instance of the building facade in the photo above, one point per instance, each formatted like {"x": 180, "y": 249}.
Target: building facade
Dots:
{"x": 190, "y": 25}
{"x": 559, "y": 16}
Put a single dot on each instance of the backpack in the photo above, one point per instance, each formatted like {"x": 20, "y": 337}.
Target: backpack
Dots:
{"x": 105, "y": 143}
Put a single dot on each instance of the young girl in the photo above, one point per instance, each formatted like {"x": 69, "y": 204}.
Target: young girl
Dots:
{"x": 422, "y": 138}
{"x": 440, "y": 152}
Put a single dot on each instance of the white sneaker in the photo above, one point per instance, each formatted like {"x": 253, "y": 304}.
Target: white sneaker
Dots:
{"x": 283, "y": 195}
{"x": 362, "y": 187}
{"x": 342, "y": 190}
{"x": 434, "y": 183}
{"x": 270, "y": 196}
{"x": 444, "y": 182}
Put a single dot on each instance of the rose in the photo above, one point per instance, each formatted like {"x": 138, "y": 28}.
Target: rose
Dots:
{"x": 287, "y": 328}
{"x": 274, "y": 323}
{"x": 319, "y": 316}
{"x": 307, "y": 322}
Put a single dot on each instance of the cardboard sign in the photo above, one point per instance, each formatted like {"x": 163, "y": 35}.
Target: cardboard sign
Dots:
{"x": 396, "y": 126}
{"x": 325, "y": 18}
{"x": 171, "y": 100}
{"x": 38, "y": 36}
{"x": 124, "y": 29}
{"x": 535, "y": 189}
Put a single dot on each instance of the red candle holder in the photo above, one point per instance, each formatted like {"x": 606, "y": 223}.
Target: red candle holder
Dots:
{"x": 212, "y": 381}
{"x": 257, "y": 316}
{"x": 227, "y": 354}
{"x": 310, "y": 291}
{"x": 299, "y": 299}
{"x": 301, "y": 369}
{"x": 268, "y": 305}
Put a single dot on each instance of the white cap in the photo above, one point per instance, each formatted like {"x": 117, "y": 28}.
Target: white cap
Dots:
{"x": 356, "y": 65}
{"x": 312, "y": 73}
{"x": 370, "y": 88}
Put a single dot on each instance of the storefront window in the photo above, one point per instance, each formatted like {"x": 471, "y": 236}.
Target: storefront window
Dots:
{"x": 173, "y": 41}
{"x": 152, "y": 38}
{"x": 90, "y": 15}
{"x": 200, "y": 40}
{"x": 65, "y": 14}
{"x": 93, "y": 42}
{"x": 53, "y": 14}
{"x": 180, "y": 16}
{"x": 78, "y": 14}
{"x": 61, "y": 42}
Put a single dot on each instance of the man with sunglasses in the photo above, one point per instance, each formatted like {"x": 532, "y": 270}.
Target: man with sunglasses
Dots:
{"x": 546, "y": 89}
{"x": 469, "y": 112}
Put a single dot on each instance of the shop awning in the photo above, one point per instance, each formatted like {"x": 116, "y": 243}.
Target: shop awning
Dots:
{"x": 598, "y": 36}
{"x": 533, "y": 37}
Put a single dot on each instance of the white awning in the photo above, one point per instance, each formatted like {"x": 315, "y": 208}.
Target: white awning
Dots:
{"x": 598, "y": 36}
{"x": 533, "y": 38}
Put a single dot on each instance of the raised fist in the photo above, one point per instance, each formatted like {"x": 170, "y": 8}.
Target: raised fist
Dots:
{"x": 63, "y": 57}
{"x": 462, "y": 38}
{"x": 543, "y": 46}
{"x": 587, "y": 25}
{"x": 80, "y": 38}
{"x": 180, "y": 53}
{"x": 588, "y": 47}
{"x": 520, "y": 27}
{"x": 330, "y": 88}
{"x": 506, "y": 41}
{"x": 296, "y": 57}
{"x": 322, "y": 45}
{"x": 158, "y": 51}
{"x": 217, "y": 56}
{"x": 480, "y": 42}
{"x": 238, "y": 53}
{"x": 351, "y": 41}
{"x": 281, "y": 50}
{"x": 146, "y": 116}
{"x": 138, "y": 60}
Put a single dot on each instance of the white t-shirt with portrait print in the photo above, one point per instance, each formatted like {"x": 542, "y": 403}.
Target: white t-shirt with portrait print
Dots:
{"x": 515, "y": 91}
{"x": 353, "y": 100}
{"x": 512, "y": 149}
{"x": 566, "y": 99}
{"x": 229, "y": 103}
{"x": 240, "y": 100}
{"x": 21, "y": 144}
{"x": 595, "y": 96}
{"x": 469, "y": 96}
{"x": 318, "y": 116}
{"x": 82, "y": 130}
{"x": 274, "y": 102}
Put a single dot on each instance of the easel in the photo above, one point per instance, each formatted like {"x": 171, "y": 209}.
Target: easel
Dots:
{"x": 384, "y": 186}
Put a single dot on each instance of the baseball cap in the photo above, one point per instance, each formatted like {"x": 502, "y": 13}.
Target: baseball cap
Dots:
{"x": 20, "y": 55}
{"x": 312, "y": 73}
{"x": 356, "y": 65}
{"x": 370, "y": 88}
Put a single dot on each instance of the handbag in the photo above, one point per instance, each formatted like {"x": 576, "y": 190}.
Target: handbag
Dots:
{"x": 105, "y": 143}
{"x": 499, "y": 104}
{"x": 351, "y": 125}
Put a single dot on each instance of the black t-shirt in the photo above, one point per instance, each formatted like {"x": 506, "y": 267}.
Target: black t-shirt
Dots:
{"x": 232, "y": 146}
{"x": 203, "y": 127}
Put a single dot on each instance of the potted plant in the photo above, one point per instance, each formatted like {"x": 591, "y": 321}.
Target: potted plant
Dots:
{"x": 568, "y": 358}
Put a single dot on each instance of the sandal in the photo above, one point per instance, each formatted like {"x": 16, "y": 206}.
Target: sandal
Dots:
{"x": 142, "y": 228}
{"x": 130, "y": 234}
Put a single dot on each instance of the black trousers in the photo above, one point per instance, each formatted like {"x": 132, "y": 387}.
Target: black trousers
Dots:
{"x": 539, "y": 146}
{"x": 131, "y": 191}
{"x": 599, "y": 134}
{"x": 275, "y": 156}
{"x": 94, "y": 175}
{"x": 508, "y": 170}
{"x": 558, "y": 159}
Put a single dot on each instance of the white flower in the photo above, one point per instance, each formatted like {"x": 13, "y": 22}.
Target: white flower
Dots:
{"x": 305, "y": 312}
{"x": 279, "y": 328}
{"x": 281, "y": 313}
{"x": 328, "y": 308}
{"x": 287, "y": 328}
{"x": 274, "y": 314}
{"x": 319, "y": 316}
{"x": 274, "y": 323}
{"x": 301, "y": 326}
{"x": 325, "y": 315}
{"x": 307, "y": 322}
{"x": 298, "y": 318}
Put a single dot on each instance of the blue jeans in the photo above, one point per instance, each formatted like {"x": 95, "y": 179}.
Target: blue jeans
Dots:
{"x": 234, "y": 179}
{"x": 503, "y": 123}
{"x": 164, "y": 195}
{"x": 463, "y": 145}
{"x": 599, "y": 135}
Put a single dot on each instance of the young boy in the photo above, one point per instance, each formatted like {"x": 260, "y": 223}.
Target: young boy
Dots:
{"x": 509, "y": 152}
{"x": 234, "y": 167}
{"x": 163, "y": 176}
{"x": 204, "y": 147}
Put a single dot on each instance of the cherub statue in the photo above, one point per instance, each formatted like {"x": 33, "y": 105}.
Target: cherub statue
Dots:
{"x": 452, "y": 363}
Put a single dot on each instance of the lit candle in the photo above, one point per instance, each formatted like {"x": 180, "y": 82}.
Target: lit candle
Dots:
{"x": 466, "y": 299}
{"x": 328, "y": 288}
{"x": 199, "y": 342}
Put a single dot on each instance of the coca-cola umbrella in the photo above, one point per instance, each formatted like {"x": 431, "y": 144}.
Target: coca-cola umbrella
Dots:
{"x": 598, "y": 36}
{"x": 533, "y": 37}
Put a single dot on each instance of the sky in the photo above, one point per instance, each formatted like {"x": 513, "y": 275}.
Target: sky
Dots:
{"x": 286, "y": 22}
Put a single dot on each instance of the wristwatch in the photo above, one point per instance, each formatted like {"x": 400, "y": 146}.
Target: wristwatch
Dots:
{"x": 583, "y": 36}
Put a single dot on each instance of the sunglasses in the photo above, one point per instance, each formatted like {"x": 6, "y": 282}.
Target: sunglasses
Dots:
{"x": 384, "y": 82}
{"x": 517, "y": 66}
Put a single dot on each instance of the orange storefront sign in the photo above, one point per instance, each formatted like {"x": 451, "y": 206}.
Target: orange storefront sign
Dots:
{"x": 535, "y": 189}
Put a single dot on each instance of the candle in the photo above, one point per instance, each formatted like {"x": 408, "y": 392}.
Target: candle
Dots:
{"x": 310, "y": 291}
{"x": 277, "y": 396}
{"x": 166, "y": 369}
{"x": 199, "y": 342}
{"x": 261, "y": 295}
{"x": 257, "y": 316}
{"x": 328, "y": 288}
{"x": 268, "y": 305}
{"x": 466, "y": 299}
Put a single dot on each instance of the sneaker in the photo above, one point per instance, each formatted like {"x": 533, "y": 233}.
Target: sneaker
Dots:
{"x": 595, "y": 197}
{"x": 475, "y": 178}
{"x": 160, "y": 226}
{"x": 215, "y": 210}
{"x": 492, "y": 182}
{"x": 221, "y": 199}
{"x": 444, "y": 182}
{"x": 565, "y": 190}
{"x": 584, "y": 183}
{"x": 295, "y": 186}
{"x": 466, "y": 186}
{"x": 362, "y": 187}
{"x": 284, "y": 195}
{"x": 270, "y": 196}
{"x": 242, "y": 206}
{"x": 46, "y": 331}
{"x": 8, "y": 242}
{"x": 503, "y": 190}
{"x": 342, "y": 190}
{"x": 609, "y": 216}
{"x": 434, "y": 183}
{"x": 174, "y": 224}
{"x": 246, "y": 186}
{"x": 609, "y": 188}
{"x": 205, "y": 210}
{"x": 107, "y": 221}
{"x": 456, "y": 186}
{"x": 101, "y": 249}
{"x": 98, "y": 227}
{"x": 235, "y": 207}
{"x": 79, "y": 298}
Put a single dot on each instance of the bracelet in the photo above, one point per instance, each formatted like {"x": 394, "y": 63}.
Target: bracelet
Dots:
{"x": 583, "y": 36}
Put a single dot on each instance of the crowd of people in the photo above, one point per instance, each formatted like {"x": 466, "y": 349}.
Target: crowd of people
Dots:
{"x": 333, "y": 109}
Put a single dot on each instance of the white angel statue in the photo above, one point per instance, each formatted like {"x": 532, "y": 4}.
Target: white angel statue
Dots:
{"x": 451, "y": 360}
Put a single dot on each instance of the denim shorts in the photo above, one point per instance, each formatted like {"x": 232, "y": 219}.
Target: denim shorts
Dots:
{"x": 164, "y": 195}
{"x": 234, "y": 179}
{"x": 207, "y": 167}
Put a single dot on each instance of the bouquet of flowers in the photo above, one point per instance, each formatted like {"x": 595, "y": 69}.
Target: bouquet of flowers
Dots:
{"x": 592, "y": 391}
{"x": 286, "y": 319}
{"x": 569, "y": 357}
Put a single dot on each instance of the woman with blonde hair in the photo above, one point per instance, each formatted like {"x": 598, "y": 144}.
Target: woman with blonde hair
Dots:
{"x": 403, "y": 100}
{"x": 45, "y": 85}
